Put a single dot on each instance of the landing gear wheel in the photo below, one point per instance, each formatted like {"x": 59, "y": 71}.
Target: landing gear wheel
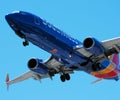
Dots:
{"x": 62, "y": 77}
{"x": 25, "y": 43}
{"x": 67, "y": 76}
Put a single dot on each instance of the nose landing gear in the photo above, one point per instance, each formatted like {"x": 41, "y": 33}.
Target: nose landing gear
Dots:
{"x": 25, "y": 43}
{"x": 21, "y": 34}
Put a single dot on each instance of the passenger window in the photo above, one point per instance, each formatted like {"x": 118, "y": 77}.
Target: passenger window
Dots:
{"x": 37, "y": 20}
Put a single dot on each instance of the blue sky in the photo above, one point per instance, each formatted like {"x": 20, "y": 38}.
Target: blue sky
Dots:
{"x": 80, "y": 19}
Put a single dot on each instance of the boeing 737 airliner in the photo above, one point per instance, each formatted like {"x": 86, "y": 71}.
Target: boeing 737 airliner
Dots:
{"x": 97, "y": 58}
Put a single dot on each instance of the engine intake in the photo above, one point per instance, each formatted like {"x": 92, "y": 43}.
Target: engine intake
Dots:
{"x": 32, "y": 63}
{"x": 93, "y": 46}
{"x": 37, "y": 66}
{"x": 88, "y": 43}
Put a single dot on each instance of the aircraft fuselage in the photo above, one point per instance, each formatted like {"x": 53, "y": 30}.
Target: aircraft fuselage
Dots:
{"x": 53, "y": 40}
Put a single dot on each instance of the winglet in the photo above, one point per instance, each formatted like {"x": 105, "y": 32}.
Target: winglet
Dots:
{"x": 7, "y": 81}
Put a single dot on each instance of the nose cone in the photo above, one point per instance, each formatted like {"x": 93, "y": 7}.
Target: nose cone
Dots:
{"x": 12, "y": 16}
{"x": 12, "y": 19}
{"x": 9, "y": 17}
{"x": 18, "y": 19}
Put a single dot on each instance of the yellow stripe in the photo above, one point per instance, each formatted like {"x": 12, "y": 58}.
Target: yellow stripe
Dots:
{"x": 111, "y": 57}
{"x": 107, "y": 70}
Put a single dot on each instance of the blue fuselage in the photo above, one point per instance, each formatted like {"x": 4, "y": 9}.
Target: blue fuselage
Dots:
{"x": 46, "y": 36}
{"x": 62, "y": 47}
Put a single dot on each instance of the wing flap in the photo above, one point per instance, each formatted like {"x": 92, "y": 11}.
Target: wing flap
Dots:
{"x": 52, "y": 63}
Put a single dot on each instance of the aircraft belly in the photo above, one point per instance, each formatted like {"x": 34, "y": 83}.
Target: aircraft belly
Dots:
{"x": 53, "y": 45}
{"x": 53, "y": 42}
{"x": 54, "y": 49}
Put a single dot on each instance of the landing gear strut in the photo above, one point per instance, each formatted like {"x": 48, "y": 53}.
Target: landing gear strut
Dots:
{"x": 64, "y": 77}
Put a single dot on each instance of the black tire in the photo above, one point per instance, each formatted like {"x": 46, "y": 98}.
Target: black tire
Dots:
{"x": 62, "y": 77}
{"x": 67, "y": 76}
{"x": 25, "y": 43}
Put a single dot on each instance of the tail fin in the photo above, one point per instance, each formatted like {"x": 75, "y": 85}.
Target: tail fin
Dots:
{"x": 7, "y": 81}
{"x": 115, "y": 59}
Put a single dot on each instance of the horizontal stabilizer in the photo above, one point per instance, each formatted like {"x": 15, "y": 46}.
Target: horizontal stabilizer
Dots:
{"x": 98, "y": 80}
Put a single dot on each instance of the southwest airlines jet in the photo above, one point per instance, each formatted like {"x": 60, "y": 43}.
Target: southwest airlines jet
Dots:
{"x": 97, "y": 58}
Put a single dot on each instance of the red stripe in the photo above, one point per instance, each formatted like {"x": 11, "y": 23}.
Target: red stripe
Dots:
{"x": 107, "y": 75}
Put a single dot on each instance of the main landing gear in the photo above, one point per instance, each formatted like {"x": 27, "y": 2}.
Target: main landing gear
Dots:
{"x": 64, "y": 77}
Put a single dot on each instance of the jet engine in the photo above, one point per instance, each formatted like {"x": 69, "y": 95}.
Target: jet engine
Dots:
{"x": 37, "y": 66}
{"x": 93, "y": 46}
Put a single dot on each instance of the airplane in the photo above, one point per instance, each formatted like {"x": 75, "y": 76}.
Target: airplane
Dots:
{"x": 97, "y": 58}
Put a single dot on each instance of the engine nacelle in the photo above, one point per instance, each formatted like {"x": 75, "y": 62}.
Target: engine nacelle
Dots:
{"x": 37, "y": 66}
{"x": 93, "y": 46}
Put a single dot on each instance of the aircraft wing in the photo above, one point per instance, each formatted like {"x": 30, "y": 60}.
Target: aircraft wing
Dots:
{"x": 112, "y": 43}
{"x": 25, "y": 76}
{"x": 52, "y": 63}
{"x": 20, "y": 78}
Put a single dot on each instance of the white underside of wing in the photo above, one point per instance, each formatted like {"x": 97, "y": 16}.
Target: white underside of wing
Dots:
{"x": 111, "y": 42}
{"x": 21, "y": 78}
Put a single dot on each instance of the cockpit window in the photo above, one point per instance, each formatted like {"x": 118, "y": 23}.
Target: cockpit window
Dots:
{"x": 23, "y": 13}
{"x": 16, "y": 12}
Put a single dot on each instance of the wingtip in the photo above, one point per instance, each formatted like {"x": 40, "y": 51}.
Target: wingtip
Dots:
{"x": 7, "y": 78}
{"x": 7, "y": 81}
